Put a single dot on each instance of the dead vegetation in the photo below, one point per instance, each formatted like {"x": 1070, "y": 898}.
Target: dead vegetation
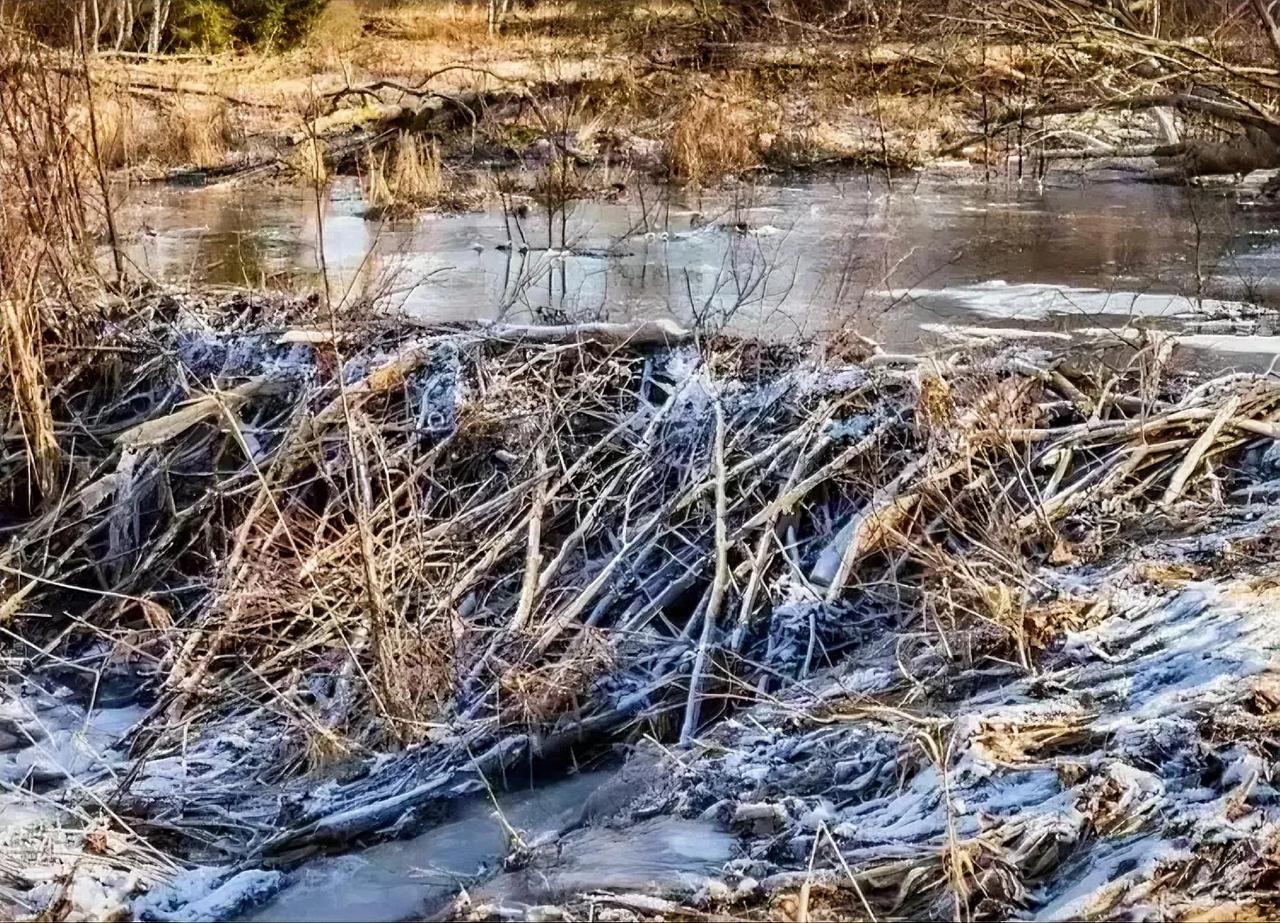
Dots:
{"x": 52, "y": 204}
{"x": 140, "y": 136}
{"x": 495, "y": 542}
{"x": 1208, "y": 63}
{"x": 888, "y": 84}
{"x": 408, "y": 177}
{"x": 417, "y": 557}
{"x": 714, "y": 135}
{"x": 723, "y": 88}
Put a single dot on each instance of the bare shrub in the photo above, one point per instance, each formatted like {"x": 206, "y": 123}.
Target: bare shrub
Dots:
{"x": 47, "y": 230}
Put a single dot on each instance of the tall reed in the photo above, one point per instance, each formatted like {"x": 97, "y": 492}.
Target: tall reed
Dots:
{"x": 53, "y": 203}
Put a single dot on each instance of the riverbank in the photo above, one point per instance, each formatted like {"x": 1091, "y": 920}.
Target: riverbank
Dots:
{"x": 351, "y": 575}
{"x": 574, "y": 100}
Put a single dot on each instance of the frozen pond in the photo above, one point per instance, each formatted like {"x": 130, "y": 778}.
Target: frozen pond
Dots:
{"x": 901, "y": 263}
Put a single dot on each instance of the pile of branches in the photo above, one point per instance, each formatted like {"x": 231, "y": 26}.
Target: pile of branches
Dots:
{"x": 1208, "y": 71}
{"x": 1217, "y": 65}
{"x": 470, "y": 546}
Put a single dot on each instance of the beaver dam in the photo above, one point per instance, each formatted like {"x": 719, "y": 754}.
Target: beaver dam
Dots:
{"x": 624, "y": 621}
{"x": 639, "y": 460}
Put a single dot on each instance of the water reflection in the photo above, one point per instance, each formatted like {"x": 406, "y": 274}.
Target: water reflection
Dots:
{"x": 775, "y": 258}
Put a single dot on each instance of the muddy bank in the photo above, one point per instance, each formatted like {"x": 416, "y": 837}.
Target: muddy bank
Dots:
{"x": 981, "y": 631}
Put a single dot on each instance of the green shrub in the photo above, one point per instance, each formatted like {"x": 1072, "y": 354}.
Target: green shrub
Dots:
{"x": 203, "y": 24}
{"x": 274, "y": 23}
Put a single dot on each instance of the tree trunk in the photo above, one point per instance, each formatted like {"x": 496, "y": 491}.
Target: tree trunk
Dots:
{"x": 124, "y": 26}
{"x": 158, "y": 20}
{"x": 498, "y": 12}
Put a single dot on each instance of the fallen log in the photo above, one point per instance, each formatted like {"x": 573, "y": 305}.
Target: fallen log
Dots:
{"x": 432, "y": 112}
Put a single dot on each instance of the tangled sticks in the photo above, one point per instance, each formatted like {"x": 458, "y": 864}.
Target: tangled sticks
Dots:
{"x": 466, "y": 546}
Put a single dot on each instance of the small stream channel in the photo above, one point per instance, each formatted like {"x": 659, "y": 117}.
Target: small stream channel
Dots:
{"x": 52, "y": 740}
{"x": 417, "y": 877}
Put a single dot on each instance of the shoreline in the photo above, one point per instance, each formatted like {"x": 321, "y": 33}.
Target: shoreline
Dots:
{"x": 657, "y": 93}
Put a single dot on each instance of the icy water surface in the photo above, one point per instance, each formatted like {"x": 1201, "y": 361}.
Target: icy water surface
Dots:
{"x": 929, "y": 254}
{"x": 51, "y": 740}
{"x": 416, "y": 878}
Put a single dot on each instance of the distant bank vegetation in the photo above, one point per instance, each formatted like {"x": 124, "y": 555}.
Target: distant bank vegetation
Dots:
{"x": 156, "y": 26}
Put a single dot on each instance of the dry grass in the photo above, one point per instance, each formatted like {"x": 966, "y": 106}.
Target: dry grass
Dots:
{"x": 47, "y": 229}
{"x": 21, "y": 346}
{"x": 185, "y": 131}
{"x": 714, "y": 136}
{"x": 416, "y": 172}
{"x": 894, "y": 89}
{"x": 897, "y": 130}
{"x": 118, "y": 129}
{"x": 307, "y": 161}
{"x": 447, "y": 22}
{"x": 409, "y": 176}
{"x": 192, "y": 131}
{"x": 455, "y": 22}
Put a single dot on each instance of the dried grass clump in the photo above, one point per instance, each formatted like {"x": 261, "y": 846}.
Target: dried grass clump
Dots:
{"x": 118, "y": 132}
{"x": 21, "y": 344}
{"x": 308, "y": 161}
{"x": 410, "y": 176}
{"x": 192, "y": 131}
{"x": 416, "y": 173}
{"x": 186, "y": 131}
{"x": 713, "y": 136}
{"x": 51, "y": 202}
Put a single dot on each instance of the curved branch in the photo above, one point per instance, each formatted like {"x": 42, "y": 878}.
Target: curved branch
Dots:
{"x": 1187, "y": 102}
{"x": 1269, "y": 24}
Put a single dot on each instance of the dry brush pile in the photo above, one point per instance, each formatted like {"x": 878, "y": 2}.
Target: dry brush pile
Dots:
{"x": 437, "y": 553}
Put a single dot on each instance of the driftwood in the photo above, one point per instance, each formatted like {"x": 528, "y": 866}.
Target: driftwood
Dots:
{"x": 430, "y": 112}
{"x": 1256, "y": 147}
{"x": 1150, "y": 73}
